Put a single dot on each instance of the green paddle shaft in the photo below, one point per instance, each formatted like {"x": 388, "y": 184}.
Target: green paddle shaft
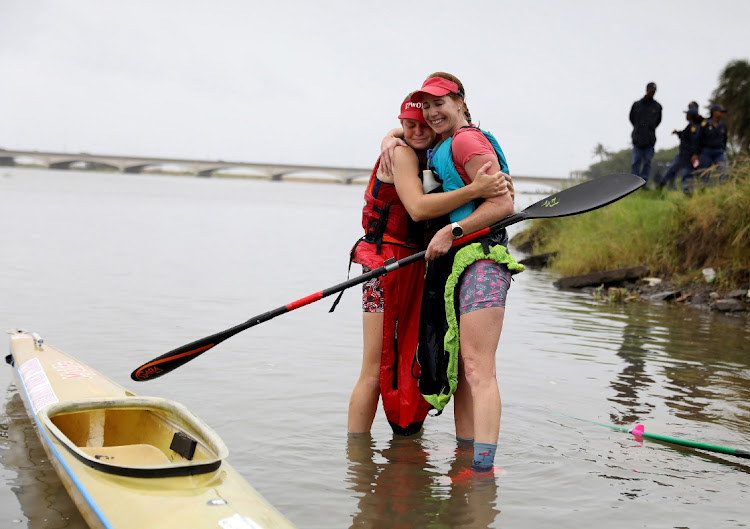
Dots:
{"x": 674, "y": 440}
{"x": 695, "y": 444}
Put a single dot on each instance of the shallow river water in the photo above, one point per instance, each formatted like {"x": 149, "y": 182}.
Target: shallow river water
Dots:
{"x": 117, "y": 269}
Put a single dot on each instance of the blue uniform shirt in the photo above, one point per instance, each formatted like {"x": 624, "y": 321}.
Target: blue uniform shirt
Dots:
{"x": 712, "y": 136}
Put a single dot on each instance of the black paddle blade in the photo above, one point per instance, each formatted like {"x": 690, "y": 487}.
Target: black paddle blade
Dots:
{"x": 170, "y": 361}
{"x": 587, "y": 196}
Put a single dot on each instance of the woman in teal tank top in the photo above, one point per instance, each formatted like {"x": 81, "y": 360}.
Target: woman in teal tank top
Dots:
{"x": 480, "y": 275}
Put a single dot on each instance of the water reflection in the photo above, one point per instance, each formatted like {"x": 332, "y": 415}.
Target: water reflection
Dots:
{"x": 400, "y": 487}
{"x": 632, "y": 383}
{"x": 708, "y": 368}
{"x": 665, "y": 358}
{"x": 393, "y": 484}
{"x": 472, "y": 498}
{"x": 39, "y": 491}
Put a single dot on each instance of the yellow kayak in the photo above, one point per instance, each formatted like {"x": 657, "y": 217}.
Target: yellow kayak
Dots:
{"x": 129, "y": 461}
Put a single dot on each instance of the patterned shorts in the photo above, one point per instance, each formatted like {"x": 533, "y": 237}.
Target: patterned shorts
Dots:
{"x": 372, "y": 294}
{"x": 483, "y": 284}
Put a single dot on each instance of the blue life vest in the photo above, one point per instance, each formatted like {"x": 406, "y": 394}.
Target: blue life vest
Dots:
{"x": 438, "y": 350}
{"x": 441, "y": 162}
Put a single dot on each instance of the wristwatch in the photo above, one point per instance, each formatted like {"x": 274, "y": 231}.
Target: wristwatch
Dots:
{"x": 457, "y": 230}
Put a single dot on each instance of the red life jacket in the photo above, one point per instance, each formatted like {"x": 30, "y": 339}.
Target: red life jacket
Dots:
{"x": 389, "y": 235}
{"x": 384, "y": 216}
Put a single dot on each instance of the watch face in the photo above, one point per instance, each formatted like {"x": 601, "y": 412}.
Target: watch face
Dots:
{"x": 457, "y": 230}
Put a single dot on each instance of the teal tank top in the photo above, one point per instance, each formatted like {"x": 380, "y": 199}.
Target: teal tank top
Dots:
{"x": 441, "y": 163}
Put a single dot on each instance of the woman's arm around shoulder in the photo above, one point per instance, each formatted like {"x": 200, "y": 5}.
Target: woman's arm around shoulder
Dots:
{"x": 422, "y": 207}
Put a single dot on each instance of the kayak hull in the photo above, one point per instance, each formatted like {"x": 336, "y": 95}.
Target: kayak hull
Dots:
{"x": 128, "y": 461}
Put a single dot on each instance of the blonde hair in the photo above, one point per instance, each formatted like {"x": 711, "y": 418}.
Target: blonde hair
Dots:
{"x": 461, "y": 96}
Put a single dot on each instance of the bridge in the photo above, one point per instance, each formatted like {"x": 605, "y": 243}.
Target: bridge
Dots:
{"x": 207, "y": 168}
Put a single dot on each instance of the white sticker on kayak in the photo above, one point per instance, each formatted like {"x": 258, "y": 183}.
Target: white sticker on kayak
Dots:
{"x": 238, "y": 522}
{"x": 37, "y": 385}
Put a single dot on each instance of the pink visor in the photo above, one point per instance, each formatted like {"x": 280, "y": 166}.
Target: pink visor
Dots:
{"x": 412, "y": 110}
{"x": 437, "y": 86}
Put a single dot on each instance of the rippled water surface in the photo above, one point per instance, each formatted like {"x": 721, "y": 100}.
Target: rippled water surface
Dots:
{"x": 117, "y": 269}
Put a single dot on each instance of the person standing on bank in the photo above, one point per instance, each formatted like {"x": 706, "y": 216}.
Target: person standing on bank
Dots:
{"x": 712, "y": 143}
{"x": 668, "y": 178}
{"x": 689, "y": 148}
{"x": 645, "y": 116}
{"x": 391, "y": 303}
{"x": 472, "y": 280}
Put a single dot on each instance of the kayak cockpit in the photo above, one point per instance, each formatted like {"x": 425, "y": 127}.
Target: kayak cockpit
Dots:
{"x": 135, "y": 436}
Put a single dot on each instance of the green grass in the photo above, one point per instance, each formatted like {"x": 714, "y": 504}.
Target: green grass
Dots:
{"x": 674, "y": 235}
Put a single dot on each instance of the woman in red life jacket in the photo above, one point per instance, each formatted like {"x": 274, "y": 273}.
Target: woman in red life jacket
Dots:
{"x": 391, "y": 303}
{"x": 472, "y": 280}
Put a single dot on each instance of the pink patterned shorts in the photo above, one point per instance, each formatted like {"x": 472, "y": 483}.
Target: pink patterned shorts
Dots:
{"x": 483, "y": 284}
{"x": 372, "y": 294}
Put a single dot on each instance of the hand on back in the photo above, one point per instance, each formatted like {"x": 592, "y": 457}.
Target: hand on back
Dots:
{"x": 493, "y": 184}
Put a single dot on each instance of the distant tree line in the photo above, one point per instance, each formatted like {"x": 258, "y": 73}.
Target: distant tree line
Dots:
{"x": 733, "y": 93}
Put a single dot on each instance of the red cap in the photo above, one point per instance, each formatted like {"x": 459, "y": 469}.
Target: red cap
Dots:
{"x": 437, "y": 86}
{"x": 412, "y": 110}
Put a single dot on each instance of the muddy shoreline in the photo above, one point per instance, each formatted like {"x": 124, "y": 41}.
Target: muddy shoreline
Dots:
{"x": 634, "y": 284}
{"x": 708, "y": 297}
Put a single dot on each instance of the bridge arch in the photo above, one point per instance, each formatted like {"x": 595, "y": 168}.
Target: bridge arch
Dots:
{"x": 85, "y": 165}
{"x": 237, "y": 171}
{"x": 158, "y": 168}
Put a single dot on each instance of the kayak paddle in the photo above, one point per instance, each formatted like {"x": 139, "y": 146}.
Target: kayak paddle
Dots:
{"x": 587, "y": 196}
{"x": 639, "y": 432}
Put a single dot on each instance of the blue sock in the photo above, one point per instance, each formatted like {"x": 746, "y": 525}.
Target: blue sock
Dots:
{"x": 484, "y": 456}
{"x": 463, "y": 442}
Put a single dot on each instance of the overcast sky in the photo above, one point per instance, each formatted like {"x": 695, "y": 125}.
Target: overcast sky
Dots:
{"x": 320, "y": 82}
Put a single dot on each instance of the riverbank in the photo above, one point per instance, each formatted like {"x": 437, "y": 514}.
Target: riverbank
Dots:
{"x": 705, "y": 297}
{"x": 631, "y": 284}
{"x": 679, "y": 240}
{"x": 700, "y": 296}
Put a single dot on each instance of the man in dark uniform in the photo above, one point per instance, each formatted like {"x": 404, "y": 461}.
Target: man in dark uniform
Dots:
{"x": 712, "y": 143}
{"x": 645, "y": 116}
{"x": 669, "y": 175}
{"x": 689, "y": 148}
